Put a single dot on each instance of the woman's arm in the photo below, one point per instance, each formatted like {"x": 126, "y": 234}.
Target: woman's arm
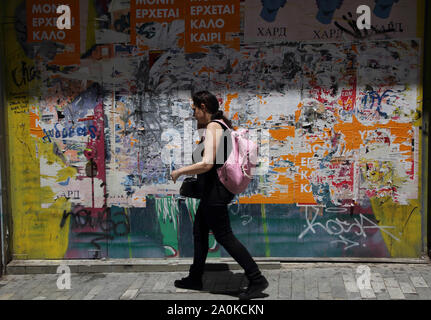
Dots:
{"x": 211, "y": 142}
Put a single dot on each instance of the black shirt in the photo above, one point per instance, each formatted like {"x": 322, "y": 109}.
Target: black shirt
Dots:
{"x": 215, "y": 193}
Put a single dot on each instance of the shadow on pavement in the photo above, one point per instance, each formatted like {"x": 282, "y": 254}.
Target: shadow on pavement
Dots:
{"x": 218, "y": 279}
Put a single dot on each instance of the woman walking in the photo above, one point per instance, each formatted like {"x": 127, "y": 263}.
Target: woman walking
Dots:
{"x": 212, "y": 213}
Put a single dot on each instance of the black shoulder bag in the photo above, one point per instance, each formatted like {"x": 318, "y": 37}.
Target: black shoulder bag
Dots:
{"x": 191, "y": 189}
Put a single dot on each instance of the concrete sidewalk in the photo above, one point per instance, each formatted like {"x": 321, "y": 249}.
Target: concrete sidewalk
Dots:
{"x": 292, "y": 281}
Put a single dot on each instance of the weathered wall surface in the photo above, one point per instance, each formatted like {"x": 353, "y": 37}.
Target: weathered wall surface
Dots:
{"x": 92, "y": 113}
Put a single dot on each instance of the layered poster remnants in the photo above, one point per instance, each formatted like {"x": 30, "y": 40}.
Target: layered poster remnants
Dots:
{"x": 42, "y": 27}
{"x": 338, "y": 119}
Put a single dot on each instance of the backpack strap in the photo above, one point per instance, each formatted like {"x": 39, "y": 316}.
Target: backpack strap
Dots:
{"x": 221, "y": 122}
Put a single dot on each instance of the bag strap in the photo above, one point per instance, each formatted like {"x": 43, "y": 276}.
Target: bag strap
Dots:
{"x": 222, "y": 123}
{"x": 234, "y": 150}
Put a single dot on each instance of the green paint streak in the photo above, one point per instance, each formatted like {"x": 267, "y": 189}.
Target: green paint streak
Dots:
{"x": 192, "y": 206}
{"x": 128, "y": 235}
{"x": 265, "y": 230}
{"x": 167, "y": 221}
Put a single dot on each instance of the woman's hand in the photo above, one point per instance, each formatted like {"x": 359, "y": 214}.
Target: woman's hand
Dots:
{"x": 175, "y": 175}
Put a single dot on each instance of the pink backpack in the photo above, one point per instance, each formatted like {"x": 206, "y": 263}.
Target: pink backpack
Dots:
{"x": 235, "y": 174}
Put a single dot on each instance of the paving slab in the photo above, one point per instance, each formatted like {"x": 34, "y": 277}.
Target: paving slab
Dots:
{"x": 419, "y": 282}
{"x": 298, "y": 284}
{"x": 350, "y": 283}
{"x": 7, "y": 296}
{"x": 274, "y": 281}
{"x": 424, "y": 293}
{"x": 285, "y": 285}
{"x": 338, "y": 289}
{"x": 393, "y": 288}
{"x": 311, "y": 284}
{"x": 426, "y": 274}
{"x": 297, "y": 281}
{"x": 407, "y": 287}
{"x": 325, "y": 296}
{"x": 123, "y": 285}
{"x": 377, "y": 283}
{"x": 113, "y": 281}
{"x": 367, "y": 294}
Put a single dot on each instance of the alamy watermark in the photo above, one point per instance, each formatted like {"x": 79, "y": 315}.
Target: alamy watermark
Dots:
{"x": 64, "y": 281}
{"x": 64, "y": 20}
{"x": 177, "y": 148}
{"x": 363, "y": 281}
{"x": 364, "y": 20}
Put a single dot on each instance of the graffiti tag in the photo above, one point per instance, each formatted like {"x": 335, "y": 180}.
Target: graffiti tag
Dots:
{"x": 69, "y": 132}
{"x": 83, "y": 218}
{"x": 337, "y": 227}
{"x": 362, "y": 34}
{"x": 123, "y": 23}
{"x": 24, "y": 74}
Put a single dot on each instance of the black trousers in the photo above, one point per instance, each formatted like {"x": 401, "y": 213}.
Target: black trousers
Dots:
{"x": 216, "y": 218}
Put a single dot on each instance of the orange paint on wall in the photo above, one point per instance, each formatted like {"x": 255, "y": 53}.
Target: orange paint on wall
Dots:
{"x": 283, "y": 180}
{"x": 298, "y": 112}
{"x": 35, "y": 129}
{"x": 230, "y": 97}
{"x": 405, "y": 148}
{"x": 352, "y": 131}
{"x": 281, "y": 134}
{"x": 279, "y": 169}
{"x": 277, "y": 197}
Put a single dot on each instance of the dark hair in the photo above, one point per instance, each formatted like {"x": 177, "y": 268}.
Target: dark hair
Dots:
{"x": 212, "y": 105}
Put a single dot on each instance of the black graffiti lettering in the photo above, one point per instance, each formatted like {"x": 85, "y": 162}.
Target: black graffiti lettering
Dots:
{"x": 120, "y": 226}
{"x": 358, "y": 34}
{"x": 123, "y": 23}
{"x": 25, "y": 74}
{"x": 104, "y": 236}
{"x": 345, "y": 30}
{"x": 63, "y": 219}
{"x": 111, "y": 228}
